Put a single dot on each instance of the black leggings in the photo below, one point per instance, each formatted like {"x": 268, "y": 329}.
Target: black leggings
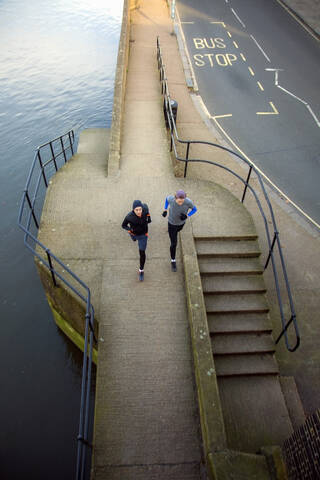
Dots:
{"x": 142, "y": 258}
{"x": 173, "y": 234}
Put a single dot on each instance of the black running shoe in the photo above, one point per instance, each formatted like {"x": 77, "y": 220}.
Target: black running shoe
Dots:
{"x": 173, "y": 266}
{"x": 141, "y": 276}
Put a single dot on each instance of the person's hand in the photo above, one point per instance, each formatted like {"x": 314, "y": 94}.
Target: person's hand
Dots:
{"x": 183, "y": 216}
{"x": 164, "y": 213}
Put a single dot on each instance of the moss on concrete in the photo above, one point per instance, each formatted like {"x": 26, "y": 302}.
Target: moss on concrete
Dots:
{"x": 275, "y": 462}
{"x": 68, "y": 309}
{"x": 70, "y": 332}
{"x": 230, "y": 465}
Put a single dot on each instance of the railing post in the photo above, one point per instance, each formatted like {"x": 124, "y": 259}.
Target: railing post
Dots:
{"x": 42, "y": 169}
{"x": 53, "y": 156}
{"x": 246, "y": 186}
{"x": 51, "y": 268}
{"x": 71, "y": 146}
{"x": 271, "y": 249}
{"x": 284, "y": 330}
{"x": 64, "y": 152}
{"x": 32, "y": 211}
{"x": 187, "y": 158}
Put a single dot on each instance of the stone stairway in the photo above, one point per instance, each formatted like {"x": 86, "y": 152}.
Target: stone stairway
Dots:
{"x": 243, "y": 348}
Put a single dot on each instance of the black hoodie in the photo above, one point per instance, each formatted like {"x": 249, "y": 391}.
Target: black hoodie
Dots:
{"x": 137, "y": 225}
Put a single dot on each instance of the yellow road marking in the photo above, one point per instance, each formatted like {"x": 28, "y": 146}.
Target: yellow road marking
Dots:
{"x": 221, "y": 23}
{"x": 260, "y": 86}
{"x": 235, "y": 44}
{"x": 222, "y": 116}
{"x": 266, "y": 177}
{"x": 251, "y": 71}
{"x": 229, "y": 34}
{"x": 243, "y": 57}
{"x": 274, "y": 111}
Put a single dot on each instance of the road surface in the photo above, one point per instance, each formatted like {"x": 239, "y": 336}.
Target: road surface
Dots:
{"x": 258, "y": 72}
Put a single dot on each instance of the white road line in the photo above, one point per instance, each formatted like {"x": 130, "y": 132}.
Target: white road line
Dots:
{"x": 276, "y": 70}
{"x": 187, "y": 23}
{"x": 292, "y": 95}
{"x": 282, "y": 194}
{"x": 306, "y": 104}
{"x": 202, "y": 109}
{"x": 260, "y": 48}
{"x": 313, "y": 114}
{"x": 238, "y": 18}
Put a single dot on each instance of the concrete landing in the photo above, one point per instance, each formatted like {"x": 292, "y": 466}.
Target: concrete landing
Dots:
{"x": 147, "y": 423}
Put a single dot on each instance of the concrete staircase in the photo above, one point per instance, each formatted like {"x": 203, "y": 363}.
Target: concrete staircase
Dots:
{"x": 254, "y": 409}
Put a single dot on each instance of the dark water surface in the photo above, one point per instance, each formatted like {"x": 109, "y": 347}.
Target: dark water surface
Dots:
{"x": 57, "y": 65}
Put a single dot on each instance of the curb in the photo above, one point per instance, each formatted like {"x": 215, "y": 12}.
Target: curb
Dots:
{"x": 184, "y": 54}
{"x": 119, "y": 90}
{"x": 300, "y": 19}
{"x": 211, "y": 418}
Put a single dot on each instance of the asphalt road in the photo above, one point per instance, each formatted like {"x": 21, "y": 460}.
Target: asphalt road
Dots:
{"x": 273, "y": 117}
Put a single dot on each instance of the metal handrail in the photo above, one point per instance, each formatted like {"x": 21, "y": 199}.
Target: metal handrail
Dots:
{"x": 55, "y": 154}
{"x": 174, "y": 137}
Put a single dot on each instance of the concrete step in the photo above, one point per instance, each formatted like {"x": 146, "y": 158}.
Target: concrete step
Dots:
{"x": 230, "y": 266}
{"x": 239, "y": 323}
{"x": 227, "y": 248}
{"x": 293, "y": 401}
{"x": 94, "y": 141}
{"x": 243, "y": 343}
{"x": 236, "y": 303}
{"x": 199, "y": 238}
{"x": 254, "y": 411}
{"x": 233, "y": 284}
{"x": 255, "y": 364}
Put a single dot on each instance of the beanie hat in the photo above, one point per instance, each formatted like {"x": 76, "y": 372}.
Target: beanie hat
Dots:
{"x": 181, "y": 194}
{"x": 137, "y": 203}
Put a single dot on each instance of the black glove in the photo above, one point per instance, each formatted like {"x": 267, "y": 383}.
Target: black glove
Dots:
{"x": 183, "y": 216}
{"x": 164, "y": 213}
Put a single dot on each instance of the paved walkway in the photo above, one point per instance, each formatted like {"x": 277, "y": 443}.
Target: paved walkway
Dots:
{"x": 147, "y": 424}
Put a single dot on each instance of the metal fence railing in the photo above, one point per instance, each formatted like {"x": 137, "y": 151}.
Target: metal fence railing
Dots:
{"x": 272, "y": 236}
{"x": 48, "y": 158}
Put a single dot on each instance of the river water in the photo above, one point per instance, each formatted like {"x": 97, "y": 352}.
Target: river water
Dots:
{"x": 57, "y": 66}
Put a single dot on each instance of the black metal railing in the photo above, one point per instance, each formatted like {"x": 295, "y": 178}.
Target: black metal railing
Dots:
{"x": 272, "y": 237}
{"x": 48, "y": 158}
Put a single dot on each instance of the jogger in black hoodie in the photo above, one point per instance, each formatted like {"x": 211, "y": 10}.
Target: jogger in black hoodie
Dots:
{"x": 136, "y": 223}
